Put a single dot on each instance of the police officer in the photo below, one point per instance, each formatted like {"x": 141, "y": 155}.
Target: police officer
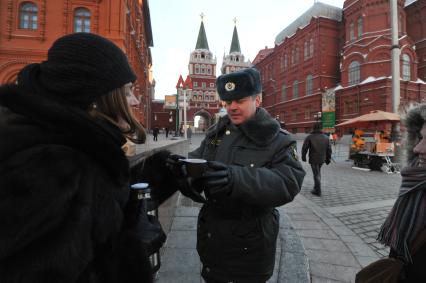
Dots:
{"x": 253, "y": 167}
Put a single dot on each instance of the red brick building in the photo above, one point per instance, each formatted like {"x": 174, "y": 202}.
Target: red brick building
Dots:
{"x": 344, "y": 53}
{"x": 28, "y": 29}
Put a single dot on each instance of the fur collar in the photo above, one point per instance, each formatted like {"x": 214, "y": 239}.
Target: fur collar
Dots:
{"x": 54, "y": 123}
{"x": 261, "y": 129}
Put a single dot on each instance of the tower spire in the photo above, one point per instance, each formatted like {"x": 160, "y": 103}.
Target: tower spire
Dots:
{"x": 202, "y": 37}
{"x": 235, "y": 44}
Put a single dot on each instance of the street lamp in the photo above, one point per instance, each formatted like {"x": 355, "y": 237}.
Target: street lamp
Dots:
{"x": 186, "y": 86}
{"x": 317, "y": 116}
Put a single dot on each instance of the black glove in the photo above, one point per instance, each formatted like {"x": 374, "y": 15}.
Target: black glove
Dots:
{"x": 174, "y": 163}
{"x": 217, "y": 180}
{"x": 186, "y": 185}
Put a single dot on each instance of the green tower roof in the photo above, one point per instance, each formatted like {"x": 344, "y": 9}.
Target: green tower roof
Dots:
{"x": 235, "y": 44}
{"x": 202, "y": 38}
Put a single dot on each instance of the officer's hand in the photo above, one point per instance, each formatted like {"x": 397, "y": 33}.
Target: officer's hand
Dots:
{"x": 217, "y": 180}
{"x": 174, "y": 163}
{"x": 189, "y": 188}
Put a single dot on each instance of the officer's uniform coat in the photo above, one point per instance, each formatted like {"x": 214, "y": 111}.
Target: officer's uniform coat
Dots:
{"x": 237, "y": 235}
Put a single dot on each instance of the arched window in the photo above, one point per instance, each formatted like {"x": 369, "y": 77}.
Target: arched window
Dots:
{"x": 406, "y": 70}
{"x": 284, "y": 93}
{"x": 197, "y": 69}
{"x": 81, "y": 20}
{"x": 360, "y": 31}
{"x": 295, "y": 89}
{"x": 354, "y": 73}
{"x": 28, "y": 16}
{"x": 292, "y": 56}
{"x": 306, "y": 50}
{"x": 311, "y": 47}
{"x": 309, "y": 85}
{"x": 285, "y": 61}
{"x": 351, "y": 32}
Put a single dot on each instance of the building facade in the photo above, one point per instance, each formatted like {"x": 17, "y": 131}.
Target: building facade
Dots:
{"x": 343, "y": 54}
{"x": 27, "y": 31}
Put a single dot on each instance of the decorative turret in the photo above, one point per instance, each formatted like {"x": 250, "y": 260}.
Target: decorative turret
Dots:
{"x": 202, "y": 71}
{"x": 235, "y": 60}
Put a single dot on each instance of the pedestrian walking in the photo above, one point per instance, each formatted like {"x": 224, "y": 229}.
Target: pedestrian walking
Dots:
{"x": 252, "y": 168}
{"x": 64, "y": 177}
{"x": 404, "y": 229}
{"x": 167, "y": 132}
{"x": 189, "y": 134}
{"x": 155, "y": 132}
{"x": 319, "y": 149}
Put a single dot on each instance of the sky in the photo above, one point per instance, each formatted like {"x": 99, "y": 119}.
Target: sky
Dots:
{"x": 175, "y": 26}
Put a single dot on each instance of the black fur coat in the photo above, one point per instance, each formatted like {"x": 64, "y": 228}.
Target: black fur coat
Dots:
{"x": 63, "y": 191}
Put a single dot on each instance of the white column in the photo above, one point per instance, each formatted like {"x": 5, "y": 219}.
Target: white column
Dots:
{"x": 184, "y": 113}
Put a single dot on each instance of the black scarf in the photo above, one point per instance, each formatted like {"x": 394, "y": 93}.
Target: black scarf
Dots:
{"x": 408, "y": 215}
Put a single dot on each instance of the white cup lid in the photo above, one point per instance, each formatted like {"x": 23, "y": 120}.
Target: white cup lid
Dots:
{"x": 139, "y": 186}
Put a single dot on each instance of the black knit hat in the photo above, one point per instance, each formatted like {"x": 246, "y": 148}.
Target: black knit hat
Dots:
{"x": 239, "y": 84}
{"x": 80, "y": 68}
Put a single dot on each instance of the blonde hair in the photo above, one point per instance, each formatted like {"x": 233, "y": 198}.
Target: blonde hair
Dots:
{"x": 114, "y": 108}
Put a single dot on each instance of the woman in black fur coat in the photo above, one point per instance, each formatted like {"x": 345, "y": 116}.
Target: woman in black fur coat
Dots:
{"x": 64, "y": 178}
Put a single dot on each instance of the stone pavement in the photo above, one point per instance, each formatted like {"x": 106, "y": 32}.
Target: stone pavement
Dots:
{"x": 322, "y": 239}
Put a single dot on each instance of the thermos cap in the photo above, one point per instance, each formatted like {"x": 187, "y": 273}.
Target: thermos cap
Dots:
{"x": 139, "y": 186}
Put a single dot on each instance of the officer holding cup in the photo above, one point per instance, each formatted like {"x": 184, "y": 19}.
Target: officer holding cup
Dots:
{"x": 252, "y": 168}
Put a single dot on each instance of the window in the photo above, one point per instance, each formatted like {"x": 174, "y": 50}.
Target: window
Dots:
{"x": 406, "y": 72}
{"x": 203, "y": 85}
{"x": 309, "y": 85}
{"x": 81, "y": 20}
{"x": 295, "y": 89}
{"x": 195, "y": 84}
{"x": 28, "y": 16}
{"x": 359, "y": 27}
{"x": 197, "y": 69}
{"x": 294, "y": 114}
{"x": 306, "y": 50}
{"x": 285, "y": 61}
{"x": 351, "y": 32}
{"x": 292, "y": 56}
{"x": 354, "y": 73}
{"x": 284, "y": 93}
{"x": 211, "y": 84}
{"x": 308, "y": 112}
{"x": 311, "y": 47}
{"x": 297, "y": 55}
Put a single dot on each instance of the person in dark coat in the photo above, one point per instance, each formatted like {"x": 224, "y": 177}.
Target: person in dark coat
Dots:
{"x": 253, "y": 168}
{"x": 64, "y": 178}
{"x": 319, "y": 149}
{"x": 155, "y": 133}
{"x": 406, "y": 223}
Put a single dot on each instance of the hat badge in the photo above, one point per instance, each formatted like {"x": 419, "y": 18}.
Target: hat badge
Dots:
{"x": 229, "y": 86}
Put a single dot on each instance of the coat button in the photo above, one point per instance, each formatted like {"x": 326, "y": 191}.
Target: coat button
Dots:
{"x": 228, "y": 132}
{"x": 252, "y": 165}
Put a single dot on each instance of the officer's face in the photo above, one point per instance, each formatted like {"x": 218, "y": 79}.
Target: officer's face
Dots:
{"x": 243, "y": 109}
